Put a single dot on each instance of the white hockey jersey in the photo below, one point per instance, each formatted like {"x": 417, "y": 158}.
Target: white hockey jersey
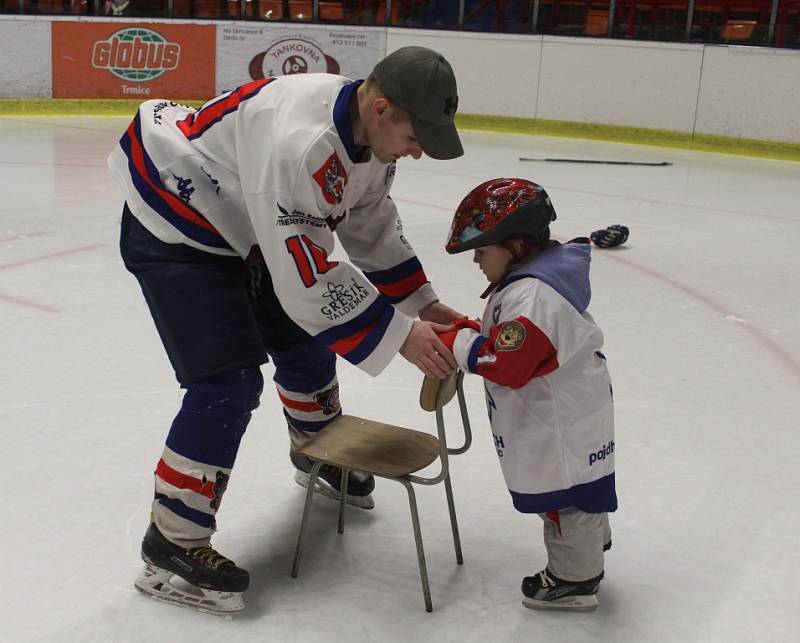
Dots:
{"x": 273, "y": 163}
{"x": 548, "y": 391}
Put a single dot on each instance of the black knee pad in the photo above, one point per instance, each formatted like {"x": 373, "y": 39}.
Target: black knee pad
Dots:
{"x": 241, "y": 387}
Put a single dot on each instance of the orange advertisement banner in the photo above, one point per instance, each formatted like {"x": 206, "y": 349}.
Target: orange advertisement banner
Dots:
{"x": 131, "y": 60}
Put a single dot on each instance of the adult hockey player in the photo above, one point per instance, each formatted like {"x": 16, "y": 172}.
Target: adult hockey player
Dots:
{"x": 229, "y": 226}
{"x": 548, "y": 391}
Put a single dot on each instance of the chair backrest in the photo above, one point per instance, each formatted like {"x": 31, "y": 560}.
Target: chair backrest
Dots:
{"x": 234, "y": 8}
{"x": 207, "y": 9}
{"x": 380, "y": 13}
{"x": 269, "y": 10}
{"x": 51, "y": 6}
{"x": 438, "y": 393}
{"x": 301, "y": 10}
{"x": 738, "y": 30}
{"x": 434, "y": 396}
{"x": 182, "y": 8}
{"x": 331, "y": 11}
{"x": 596, "y": 23}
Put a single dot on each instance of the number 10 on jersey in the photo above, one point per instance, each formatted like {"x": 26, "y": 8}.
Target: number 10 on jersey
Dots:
{"x": 309, "y": 258}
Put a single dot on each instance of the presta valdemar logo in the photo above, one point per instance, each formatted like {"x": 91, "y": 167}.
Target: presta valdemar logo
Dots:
{"x": 136, "y": 54}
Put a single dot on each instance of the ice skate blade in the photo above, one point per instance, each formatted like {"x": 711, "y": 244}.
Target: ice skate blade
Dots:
{"x": 322, "y": 488}
{"x": 568, "y": 604}
{"x": 155, "y": 582}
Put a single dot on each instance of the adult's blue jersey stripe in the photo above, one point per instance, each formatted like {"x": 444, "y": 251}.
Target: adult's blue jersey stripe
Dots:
{"x": 353, "y": 326}
{"x": 146, "y": 180}
{"x": 372, "y": 338}
{"x": 398, "y": 282}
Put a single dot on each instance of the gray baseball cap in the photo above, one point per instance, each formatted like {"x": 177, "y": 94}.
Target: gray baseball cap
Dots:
{"x": 421, "y": 82}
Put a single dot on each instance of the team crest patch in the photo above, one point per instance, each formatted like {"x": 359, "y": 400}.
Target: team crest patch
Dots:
{"x": 510, "y": 337}
{"x": 332, "y": 179}
{"x": 220, "y": 485}
{"x": 329, "y": 400}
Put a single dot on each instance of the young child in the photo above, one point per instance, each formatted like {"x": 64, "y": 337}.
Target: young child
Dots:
{"x": 548, "y": 391}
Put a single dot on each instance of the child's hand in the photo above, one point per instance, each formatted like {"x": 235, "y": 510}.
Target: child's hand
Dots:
{"x": 465, "y": 322}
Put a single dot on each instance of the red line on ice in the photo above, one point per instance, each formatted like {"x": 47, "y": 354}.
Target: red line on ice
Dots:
{"x": 756, "y": 333}
{"x": 52, "y": 255}
{"x": 28, "y": 304}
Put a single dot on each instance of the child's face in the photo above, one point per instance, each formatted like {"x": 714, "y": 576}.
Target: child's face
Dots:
{"x": 493, "y": 261}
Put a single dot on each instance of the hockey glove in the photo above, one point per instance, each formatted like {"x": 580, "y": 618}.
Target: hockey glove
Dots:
{"x": 448, "y": 338}
{"x": 610, "y": 237}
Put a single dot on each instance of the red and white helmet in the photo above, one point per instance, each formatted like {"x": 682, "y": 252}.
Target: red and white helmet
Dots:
{"x": 499, "y": 209}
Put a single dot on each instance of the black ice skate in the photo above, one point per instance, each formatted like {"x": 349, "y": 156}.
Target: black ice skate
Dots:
{"x": 215, "y": 583}
{"x": 548, "y": 592}
{"x": 359, "y": 484}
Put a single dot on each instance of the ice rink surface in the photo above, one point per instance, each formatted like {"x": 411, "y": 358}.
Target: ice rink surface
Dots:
{"x": 701, "y": 313}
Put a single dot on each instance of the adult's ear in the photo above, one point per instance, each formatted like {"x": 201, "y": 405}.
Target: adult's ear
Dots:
{"x": 380, "y": 105}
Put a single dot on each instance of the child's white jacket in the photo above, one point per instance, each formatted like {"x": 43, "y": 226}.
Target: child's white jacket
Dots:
{"x": 273, "y": 163}
{"x": 548, "y": 391}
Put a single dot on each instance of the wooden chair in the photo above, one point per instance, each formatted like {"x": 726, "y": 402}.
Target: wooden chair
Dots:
{"x": 738, "y": 30}
{"x": 394, "y": 453}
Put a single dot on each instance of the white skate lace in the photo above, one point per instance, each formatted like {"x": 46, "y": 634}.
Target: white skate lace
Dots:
{"x": 545, "y": 579}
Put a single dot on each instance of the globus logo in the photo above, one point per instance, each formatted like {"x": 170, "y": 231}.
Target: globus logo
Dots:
{"x": 136, "y": 54}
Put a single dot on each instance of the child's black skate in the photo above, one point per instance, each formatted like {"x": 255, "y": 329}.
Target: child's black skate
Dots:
{"x": 359, "y": 484}
{"x": 548, "y": 592}
{"x": 215, "y": 583}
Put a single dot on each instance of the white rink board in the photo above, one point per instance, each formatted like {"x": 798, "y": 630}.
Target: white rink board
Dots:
{"x": 247, "y": 52}
{"x": 25, "y": 59}
{"x": 750, "y": 92}
{"x": 496, "y": 75}
{"x": 615, "y": 82}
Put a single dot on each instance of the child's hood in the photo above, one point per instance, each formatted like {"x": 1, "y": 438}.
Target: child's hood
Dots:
{"x": 563, "y": 267}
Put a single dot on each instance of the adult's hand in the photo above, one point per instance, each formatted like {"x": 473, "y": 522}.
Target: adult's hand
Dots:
{"x": 439, "y": 313}
{"x": 426, "y": 351}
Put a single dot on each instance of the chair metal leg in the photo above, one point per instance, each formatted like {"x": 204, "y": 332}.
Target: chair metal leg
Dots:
{"x": 453, "y": 521}
{"x": 343, "y": 497}
{"x": 306, "y": 512}
{"x": 423, "y": 569}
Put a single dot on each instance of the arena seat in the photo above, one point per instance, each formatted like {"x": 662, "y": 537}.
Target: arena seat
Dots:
{"x": 331, "y": 11}
{"x": 301, "y": 10}
{"x": 738, "y": 30}
{"x": 207, "y": 9}
{"x": 269, "y": 10}
{"x": 596, "y": 22}
{"x": 380, "y": 13}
